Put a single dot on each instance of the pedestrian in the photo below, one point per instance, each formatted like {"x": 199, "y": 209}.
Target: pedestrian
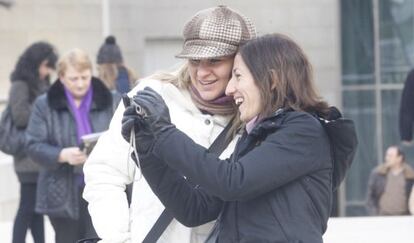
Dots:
{"x": 199, "y": 107}
{"x": 277, "y": 185}
{"x": 390, "y": 184}
{"x": 76, "y": 104}
{"x": 111, "y": 68}
{"x": 29, "y": 79}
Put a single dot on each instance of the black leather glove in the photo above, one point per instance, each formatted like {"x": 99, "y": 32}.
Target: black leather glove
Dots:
{"x": 149, "y": 125}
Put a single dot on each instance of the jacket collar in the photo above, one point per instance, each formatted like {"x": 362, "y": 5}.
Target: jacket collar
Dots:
{"x": 407, "y": 171}
{"x": 101, "y": 99}
{"x": 269, "y": 123}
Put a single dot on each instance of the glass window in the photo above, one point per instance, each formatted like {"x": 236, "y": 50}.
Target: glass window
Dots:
{"x": 390, "y": 116}
{"x": 360, "y": 107}
{"x": 373, "y": 101}
{"x": 396, "y": 28}
{"x": 357, "y": 42}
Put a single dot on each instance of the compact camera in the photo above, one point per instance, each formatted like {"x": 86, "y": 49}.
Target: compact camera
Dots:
{"x": 130, "y": 101}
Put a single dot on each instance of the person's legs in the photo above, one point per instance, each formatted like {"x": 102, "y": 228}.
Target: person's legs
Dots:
{"x": 37, "y": 228}
{"x": 25, "y": 216}
{"x": 66, "y": 230}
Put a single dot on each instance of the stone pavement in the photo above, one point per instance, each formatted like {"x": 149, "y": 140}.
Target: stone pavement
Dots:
{"x": 397, "y": 229}
{"x": 6, "y": 229}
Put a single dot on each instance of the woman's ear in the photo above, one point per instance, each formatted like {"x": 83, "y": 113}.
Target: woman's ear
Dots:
{"x": 273, "y": 79}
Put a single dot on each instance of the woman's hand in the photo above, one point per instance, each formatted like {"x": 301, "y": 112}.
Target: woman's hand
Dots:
{"x": 153, "y": 119}
{"x": 72, "y": 156}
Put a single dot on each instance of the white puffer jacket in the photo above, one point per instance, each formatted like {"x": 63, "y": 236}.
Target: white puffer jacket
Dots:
{"x": 107, "y": 172}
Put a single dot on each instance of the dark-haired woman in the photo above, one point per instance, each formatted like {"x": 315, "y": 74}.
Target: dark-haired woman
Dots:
{"x": 29, "y": 79}
{"x": 276, "y": 187}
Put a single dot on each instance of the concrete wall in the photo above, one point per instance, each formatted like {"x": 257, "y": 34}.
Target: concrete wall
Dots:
{"x": 75, "y": 23}
{"x": 149, "y": 33}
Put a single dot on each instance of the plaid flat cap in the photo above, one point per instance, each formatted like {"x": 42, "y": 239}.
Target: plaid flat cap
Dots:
{"x": 215, "y": 32}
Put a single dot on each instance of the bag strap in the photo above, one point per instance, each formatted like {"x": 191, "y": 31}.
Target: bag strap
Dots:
{"x": 217, "y": 147}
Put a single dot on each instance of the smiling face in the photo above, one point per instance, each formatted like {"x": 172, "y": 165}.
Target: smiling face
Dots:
{"x": 210, "y": 76}
{"x": 76, "y": 82}
{"x": 244, "y": 90}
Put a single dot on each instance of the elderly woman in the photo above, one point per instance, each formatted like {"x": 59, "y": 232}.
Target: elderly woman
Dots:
{"x": 75, "y": 105}
{"x": 277, "y": 185}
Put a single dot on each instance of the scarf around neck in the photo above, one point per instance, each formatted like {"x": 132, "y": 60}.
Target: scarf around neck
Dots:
{"x": 223, "y": 105}
{"x": 81, "y": 113}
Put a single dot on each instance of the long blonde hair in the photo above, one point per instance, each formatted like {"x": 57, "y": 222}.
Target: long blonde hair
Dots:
{"x": 108, "y": 72}
{"x": 180, "y": 77}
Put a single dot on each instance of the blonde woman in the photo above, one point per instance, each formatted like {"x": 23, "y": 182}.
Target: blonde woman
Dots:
{"x": 75, "y": 105}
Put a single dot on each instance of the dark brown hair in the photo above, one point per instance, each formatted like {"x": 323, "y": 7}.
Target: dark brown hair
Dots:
{"x": 283, "y": 75}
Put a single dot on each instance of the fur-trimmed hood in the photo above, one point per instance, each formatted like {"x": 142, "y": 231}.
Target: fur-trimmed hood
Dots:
{"x": 102, "y": 97}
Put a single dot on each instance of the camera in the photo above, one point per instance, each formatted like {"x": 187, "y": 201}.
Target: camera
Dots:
{"x": 130, "y": 101}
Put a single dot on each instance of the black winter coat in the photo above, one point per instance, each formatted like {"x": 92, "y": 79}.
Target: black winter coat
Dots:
{"x": 52, "y": 127}
{"x": 21, "y": 97}
{"x": 276, "y": 187}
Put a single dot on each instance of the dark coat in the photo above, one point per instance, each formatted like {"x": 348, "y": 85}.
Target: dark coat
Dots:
{"x": 407, "y": 109}
{"x": 276, "y": 187}
{"x": 377, "y": 182}
{"x": 21, "y": 97}
{"x": 52, "y": 127}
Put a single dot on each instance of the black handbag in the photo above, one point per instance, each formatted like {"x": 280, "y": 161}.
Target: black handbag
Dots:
{"x": 62, "y": 195}
{"x": 11, "y": 138}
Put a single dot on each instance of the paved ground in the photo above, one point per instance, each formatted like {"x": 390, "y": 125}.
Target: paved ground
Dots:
{"x": 7, "y": 227}
{"x": 340, "y": 230}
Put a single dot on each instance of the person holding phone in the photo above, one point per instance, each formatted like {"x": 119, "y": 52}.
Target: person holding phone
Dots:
{"x": 75, "y": 105}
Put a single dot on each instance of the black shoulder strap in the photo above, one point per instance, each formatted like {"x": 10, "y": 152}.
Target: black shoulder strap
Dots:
{"x": 217, "y": 147}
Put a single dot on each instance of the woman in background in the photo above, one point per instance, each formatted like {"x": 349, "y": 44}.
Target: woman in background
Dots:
{"x": 111, "y": 68}
{"x": 76, "y": 104}
{"x": 29, "y": 79}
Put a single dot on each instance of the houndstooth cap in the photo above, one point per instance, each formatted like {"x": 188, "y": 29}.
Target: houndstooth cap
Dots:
{"x": 215, "y": 32}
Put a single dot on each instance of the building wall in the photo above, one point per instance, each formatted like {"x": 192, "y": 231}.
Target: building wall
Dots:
{"x": 149, "y": 33}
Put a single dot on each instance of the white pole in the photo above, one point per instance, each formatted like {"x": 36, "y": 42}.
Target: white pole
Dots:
{"x": 106, "y": 24}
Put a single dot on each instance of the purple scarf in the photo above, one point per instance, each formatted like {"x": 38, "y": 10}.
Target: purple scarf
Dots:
{"x": 81, "y": 113}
